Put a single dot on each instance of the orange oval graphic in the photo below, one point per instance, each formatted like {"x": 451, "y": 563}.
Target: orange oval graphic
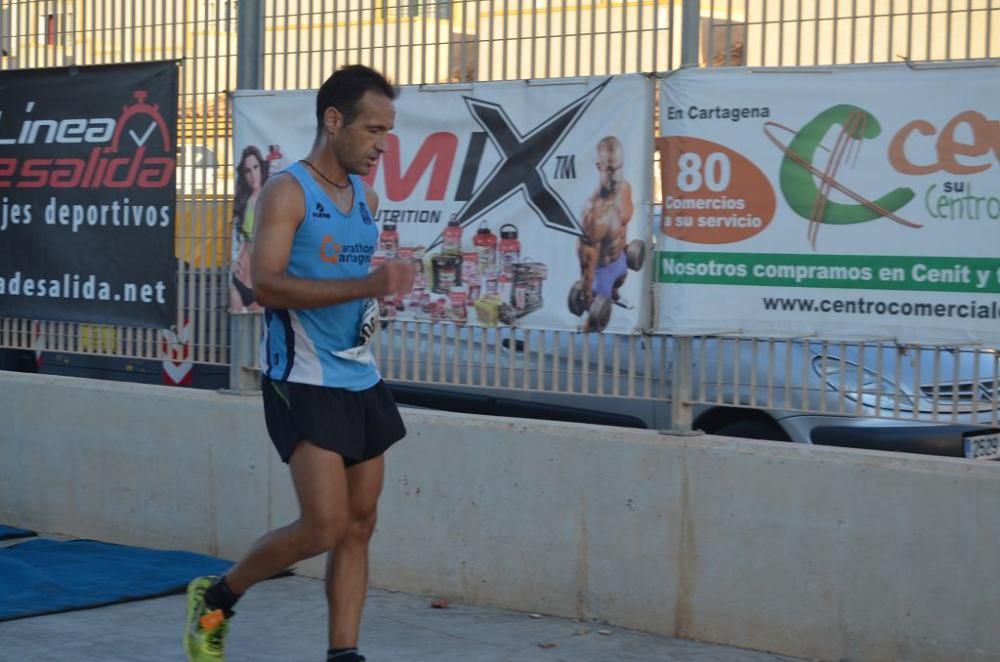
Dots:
{"x": 711, "y": 194}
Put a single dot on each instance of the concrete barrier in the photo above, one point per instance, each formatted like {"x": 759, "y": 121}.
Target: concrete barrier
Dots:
{"x": 815, "y": 552}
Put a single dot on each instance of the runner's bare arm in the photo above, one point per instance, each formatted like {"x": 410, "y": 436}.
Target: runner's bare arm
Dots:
{"x": 279, "y": 211}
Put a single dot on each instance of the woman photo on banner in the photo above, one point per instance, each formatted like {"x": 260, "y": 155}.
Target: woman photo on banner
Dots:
{"x": 252, "y": 172}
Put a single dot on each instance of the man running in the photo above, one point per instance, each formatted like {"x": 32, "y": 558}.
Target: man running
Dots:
{"x": 329, "y": 414}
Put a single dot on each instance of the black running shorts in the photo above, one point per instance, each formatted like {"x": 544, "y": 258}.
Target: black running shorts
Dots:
{"x": 358, "y": 425}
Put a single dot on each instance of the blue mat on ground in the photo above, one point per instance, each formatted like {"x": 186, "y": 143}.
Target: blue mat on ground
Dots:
{"x": 8, "y": 532}
{"x": 50, "y": 576}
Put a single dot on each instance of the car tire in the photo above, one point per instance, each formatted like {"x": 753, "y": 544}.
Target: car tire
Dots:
{"x": 753, "y": 428}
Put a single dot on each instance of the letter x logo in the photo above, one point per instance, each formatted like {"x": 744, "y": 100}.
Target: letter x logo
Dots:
{"x": 522, "y": 159}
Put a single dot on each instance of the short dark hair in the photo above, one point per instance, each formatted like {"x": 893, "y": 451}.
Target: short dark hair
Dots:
{"x": 344, "y": 89}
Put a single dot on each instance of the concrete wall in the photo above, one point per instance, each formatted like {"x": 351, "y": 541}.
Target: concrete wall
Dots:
{"x": 816, "y": 552}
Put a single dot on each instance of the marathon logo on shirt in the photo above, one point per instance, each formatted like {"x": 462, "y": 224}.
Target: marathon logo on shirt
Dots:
{"x": 333, "y": 253}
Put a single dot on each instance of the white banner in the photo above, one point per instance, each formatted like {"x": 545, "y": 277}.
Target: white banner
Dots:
{"x": 857, "y": 202}
{"x": 523, "y": 204}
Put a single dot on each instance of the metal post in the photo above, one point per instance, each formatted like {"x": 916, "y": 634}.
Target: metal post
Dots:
{"x": 690, "y": 33}
{"x": 249, "y": 76}
{"x": 681, "y": 418}
{"x": 250, "y": 45}
{"x": 243, "y": 372}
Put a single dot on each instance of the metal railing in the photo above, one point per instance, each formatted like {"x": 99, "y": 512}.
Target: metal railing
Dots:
{"x": 879, "y": 379}
{"x": 295, "y": 44}
{"x": 828, "y": 32}
{"x": 419, "y": 42}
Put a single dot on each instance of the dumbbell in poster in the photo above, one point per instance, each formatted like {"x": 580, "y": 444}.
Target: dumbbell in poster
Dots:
{"x": 521, "y": 204}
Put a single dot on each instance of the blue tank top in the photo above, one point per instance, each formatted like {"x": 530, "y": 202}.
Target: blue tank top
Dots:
{"x": 326, "y": 346}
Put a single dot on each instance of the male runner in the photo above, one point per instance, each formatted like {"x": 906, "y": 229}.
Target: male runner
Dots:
{"x": 328, "y": 412}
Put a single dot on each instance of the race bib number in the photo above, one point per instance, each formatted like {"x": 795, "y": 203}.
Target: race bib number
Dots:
{"x": 362, "y": 352}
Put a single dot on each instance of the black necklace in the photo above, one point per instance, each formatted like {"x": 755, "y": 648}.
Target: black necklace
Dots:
{"x": 333, "y": 183}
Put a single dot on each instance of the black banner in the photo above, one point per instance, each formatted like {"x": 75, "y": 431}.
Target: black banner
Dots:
{"x": 87, "y": 195}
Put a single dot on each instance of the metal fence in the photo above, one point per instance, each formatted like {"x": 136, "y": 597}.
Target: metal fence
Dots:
{"x": 295, "y": 44}
{"x": 419, "y": 42}
{"x": 874, "y": 378}
{"x": 827, "y": 32}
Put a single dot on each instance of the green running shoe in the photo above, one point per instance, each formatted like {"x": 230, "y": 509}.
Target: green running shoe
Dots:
{"x": 205, "y": 631}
